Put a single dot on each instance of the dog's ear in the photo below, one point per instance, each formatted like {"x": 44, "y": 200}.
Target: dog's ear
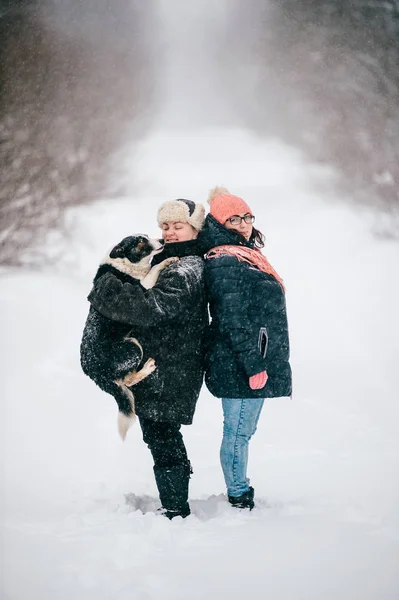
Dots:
{"x": 121, "y": 249}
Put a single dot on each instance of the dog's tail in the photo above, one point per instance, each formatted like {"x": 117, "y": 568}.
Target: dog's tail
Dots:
{"x": 127, "y": 416}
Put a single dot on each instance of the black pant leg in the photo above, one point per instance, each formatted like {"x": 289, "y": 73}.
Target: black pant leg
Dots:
{"x": 165, "y": 443}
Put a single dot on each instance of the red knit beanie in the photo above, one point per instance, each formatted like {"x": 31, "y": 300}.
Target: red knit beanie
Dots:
{"x": 224, "y": 205}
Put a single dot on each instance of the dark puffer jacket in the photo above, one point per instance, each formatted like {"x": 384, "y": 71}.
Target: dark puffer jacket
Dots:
{"x": 249, "y": 331}
{"x": 169, "y": 322}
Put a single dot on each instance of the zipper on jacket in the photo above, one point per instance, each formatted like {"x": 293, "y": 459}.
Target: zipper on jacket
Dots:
{"x": 263, "y": 341}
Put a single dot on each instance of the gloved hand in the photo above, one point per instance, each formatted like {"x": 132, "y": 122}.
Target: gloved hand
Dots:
{"x": 258, "y": 381}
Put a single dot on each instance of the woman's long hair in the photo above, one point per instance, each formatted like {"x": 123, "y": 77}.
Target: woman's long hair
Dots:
{"x": 257, "y": 237}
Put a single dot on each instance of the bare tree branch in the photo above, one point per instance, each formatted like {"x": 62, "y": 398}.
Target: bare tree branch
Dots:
{"x": 68, "y": 84}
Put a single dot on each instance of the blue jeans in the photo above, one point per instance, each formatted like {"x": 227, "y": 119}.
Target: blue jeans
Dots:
{"x": 241, "y": 416}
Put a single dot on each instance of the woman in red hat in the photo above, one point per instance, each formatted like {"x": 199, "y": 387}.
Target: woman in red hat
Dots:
{"x": 247, "y": 350}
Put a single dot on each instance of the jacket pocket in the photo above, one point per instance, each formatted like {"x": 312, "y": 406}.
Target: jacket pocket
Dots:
{"x": 263, "y": 341}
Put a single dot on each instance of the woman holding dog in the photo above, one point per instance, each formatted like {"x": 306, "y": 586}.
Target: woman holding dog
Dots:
{"x": 168, "y": 320}
{"x": 247, "y": 356}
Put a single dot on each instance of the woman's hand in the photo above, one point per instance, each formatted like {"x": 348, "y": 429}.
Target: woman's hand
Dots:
{"x": 258, "y": 381}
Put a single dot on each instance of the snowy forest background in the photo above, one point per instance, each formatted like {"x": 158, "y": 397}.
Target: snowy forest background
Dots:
{"x": 108, "y": 108}
{"x": 324, "y": 76}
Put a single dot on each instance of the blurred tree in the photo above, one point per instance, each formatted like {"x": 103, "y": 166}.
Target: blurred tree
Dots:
{"x": 71, "y": 76}
{"x": 325, "y": 76}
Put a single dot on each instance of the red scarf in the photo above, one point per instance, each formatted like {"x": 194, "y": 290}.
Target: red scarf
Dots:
{"x": 253, "y": 257}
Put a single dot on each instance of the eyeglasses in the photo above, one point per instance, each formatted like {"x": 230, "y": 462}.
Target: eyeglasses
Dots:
{"x": 236, "y": 220}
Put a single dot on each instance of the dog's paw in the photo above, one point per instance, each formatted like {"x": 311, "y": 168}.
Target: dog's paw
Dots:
{"x": 149, "y": 366}
{"x": 168, "y": 261}
{"x": 136, "y": 376}
{"x": 129, "y": 379}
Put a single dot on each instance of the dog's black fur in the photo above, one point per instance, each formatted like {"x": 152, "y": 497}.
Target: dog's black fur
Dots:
{"x": 107, "y": 354}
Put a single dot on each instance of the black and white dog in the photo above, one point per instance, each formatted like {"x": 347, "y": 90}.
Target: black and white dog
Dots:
{"x": 110, "y": 354}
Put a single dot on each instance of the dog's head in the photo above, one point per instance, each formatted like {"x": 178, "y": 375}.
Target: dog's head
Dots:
{"x": 136, "y": 248}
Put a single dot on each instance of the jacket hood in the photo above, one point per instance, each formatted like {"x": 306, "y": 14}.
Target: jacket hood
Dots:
{"x": 215, "y": 234}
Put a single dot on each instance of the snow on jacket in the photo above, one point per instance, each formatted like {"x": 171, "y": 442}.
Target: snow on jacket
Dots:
{"x": 249, "y": 330}
{"x": 169, "y": 321}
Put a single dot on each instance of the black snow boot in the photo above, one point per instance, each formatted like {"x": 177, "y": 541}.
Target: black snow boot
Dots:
{"x": 246, "y": 500}
{"x": 172, "y": 484}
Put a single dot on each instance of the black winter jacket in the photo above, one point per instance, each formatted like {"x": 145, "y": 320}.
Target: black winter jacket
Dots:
{"x": 169, "y": 322}
{"x": 249, "y": 331}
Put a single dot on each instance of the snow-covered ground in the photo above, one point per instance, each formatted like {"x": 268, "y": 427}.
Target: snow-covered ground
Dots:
{"x": 78, "y": 504}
